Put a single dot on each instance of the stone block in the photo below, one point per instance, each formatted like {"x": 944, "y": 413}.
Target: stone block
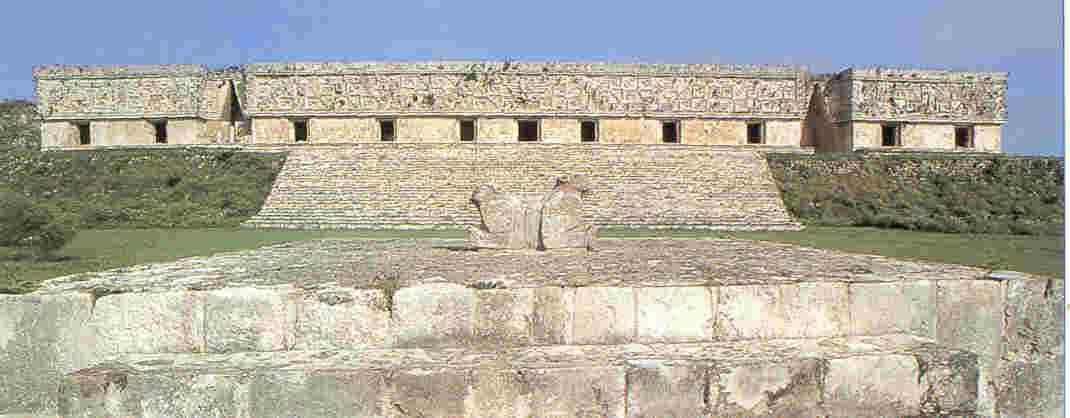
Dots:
{"x": 970, "y": 317}
{"x": 1031, "y": 388}
{"x": 318, "y": 393}
{"x": 429, "y": 393}
{"x": 577, "y": 392}
{"x": 1034, "y": 318}
{"x": 791, "y": 388}
{"x": 434, "y": 315}
{"x": 891, "y": 308}
{"x": 499, "y": 393}
{"x": 804, "y": 310}
{"x": 169, "y": 322}
{"x": 604, "y": 315}
{"x": 552, "y": 315}
{"x": 115, "y": 391}
{"x": 675, "y": 314}
{"x": 1032, "y": 363}
{"x": 667, "y": 389}
{"x": 344, "y": 319}
{"x": 250, "y": 319}
{"x": 886, "y": 385}
{"x": 950, "y": 382}
{"x": 504, "y": 316}
{"x": 41, "y": 338}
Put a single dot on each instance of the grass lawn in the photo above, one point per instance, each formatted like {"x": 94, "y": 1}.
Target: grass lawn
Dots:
{"x": 94, "y": 250}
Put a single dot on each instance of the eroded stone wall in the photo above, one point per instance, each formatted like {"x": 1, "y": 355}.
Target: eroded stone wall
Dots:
{"x": 927, "y": 95}
{"x": 67, "y": 92}
{"x": 525, "y": 88}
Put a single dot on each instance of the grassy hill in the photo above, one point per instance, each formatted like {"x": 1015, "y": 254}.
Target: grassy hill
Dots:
{"x": 175, "y": 188}
{"x": 926, "y": 192}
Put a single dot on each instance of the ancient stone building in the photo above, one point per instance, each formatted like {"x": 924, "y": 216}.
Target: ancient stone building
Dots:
{"x": 917, "y": 110}
{"x": 783, "y": 108}
{"x": 374, "y": 145}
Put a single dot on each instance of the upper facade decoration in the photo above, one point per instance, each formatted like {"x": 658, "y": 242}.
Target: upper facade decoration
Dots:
{"x": 918, "y": 95}
{"x": 525, "y": 88}
{"x": 80, "y": 92}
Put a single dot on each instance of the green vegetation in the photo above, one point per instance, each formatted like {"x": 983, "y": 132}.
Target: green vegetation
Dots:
{"x": 26, "y": 225}
{"x": 95, "y": 250}
{"x": 175, "y": 188}
{"x": 996, "y": 195}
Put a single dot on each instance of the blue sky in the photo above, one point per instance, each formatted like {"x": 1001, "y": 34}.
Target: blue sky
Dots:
{"x": 1021, "y": 37}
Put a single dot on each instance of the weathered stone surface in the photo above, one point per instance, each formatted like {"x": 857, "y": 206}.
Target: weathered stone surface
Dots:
{"x": 774, "y": 376}
{"x": 969, "y": 318}
{"x": 873, "y": 386}
{"x": 1033, "y": 315}
{"x": 343, "y": 319}
{"x": 791, "y": 388}
{"x": 950, "y": 381}
{"x": 617, "y": 262}
{"x": 250, "y": 319}
{"x": 504, "y": 316}
{"x": 438, "y": 315}
{"x": 667, "y": 389}
{"x": 41, "y": 338}
{"x": 499, "y": 393}
{"x": 318, "y": 393}
{"x": 1029, "y": 382}
{"x": 891, "y": 308}
{"x": 429, "y": 393}
{"x": 1031, "y": 388}
{"x": 508, "y": 221}
{"x": 169, "y": 322}
{"x": 491, "y": 87}
{"x": 782, "y": 311}
{"x": 604, "y": 315}
{"x": 562, "y": 224}
{"x": 675, "y": 314}
{"x": 552, "y": 315}
{"x": 578, "y": 392}
{"x": 116, "y": 391}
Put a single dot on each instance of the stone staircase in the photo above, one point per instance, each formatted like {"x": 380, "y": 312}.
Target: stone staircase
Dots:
{"x": 429, "y": 185}
{"x": 634, "y": 328}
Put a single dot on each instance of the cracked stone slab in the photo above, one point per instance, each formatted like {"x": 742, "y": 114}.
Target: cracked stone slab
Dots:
{"x": 768, "y": 378}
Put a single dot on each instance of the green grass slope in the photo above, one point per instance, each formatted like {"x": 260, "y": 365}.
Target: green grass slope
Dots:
{"x": 174, "y": 188}
{"x": 979, "y": 195}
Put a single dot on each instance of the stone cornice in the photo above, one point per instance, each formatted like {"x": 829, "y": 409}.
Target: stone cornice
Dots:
{"x": 112, "y": 72}
{"x": 557, "y": 115}
{"x": 521, "y": 68}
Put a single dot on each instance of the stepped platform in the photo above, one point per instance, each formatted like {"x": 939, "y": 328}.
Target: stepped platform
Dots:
{"x": 869, "y": 376}
{"x": 715, "y": 326}
{"x": 429, "y": 185}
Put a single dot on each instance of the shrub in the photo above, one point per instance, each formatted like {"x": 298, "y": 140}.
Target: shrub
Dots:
{"x": 29, "y": 225}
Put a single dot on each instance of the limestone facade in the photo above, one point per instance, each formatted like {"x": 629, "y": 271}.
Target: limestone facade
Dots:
{"x": 899, "y": 109}
{"x": 502, "y": 102}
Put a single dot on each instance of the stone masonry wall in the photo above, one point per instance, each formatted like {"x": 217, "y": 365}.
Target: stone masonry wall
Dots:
{"x": 912, "y": 167}
{"x": 927, "y": 95}
{"x": 427, "y": 185}
{"x": 524, "y": 88}
{"x": 67, "y": 92}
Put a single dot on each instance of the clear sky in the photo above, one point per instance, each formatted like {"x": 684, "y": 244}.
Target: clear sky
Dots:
{"x": 1022, "y": 37}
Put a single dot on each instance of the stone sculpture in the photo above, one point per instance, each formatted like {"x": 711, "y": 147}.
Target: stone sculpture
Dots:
{"x": 562, "y": 223}
{"x": 507, "y": 222}
{"x": 510, "y": 221}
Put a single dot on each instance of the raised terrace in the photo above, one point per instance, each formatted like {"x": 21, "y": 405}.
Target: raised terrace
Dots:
{"x": 429, "y": 185}
{"x": 631, "y": 328}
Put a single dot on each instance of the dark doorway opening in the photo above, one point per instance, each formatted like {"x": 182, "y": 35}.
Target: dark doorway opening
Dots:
{"x": 528, "y": 130}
